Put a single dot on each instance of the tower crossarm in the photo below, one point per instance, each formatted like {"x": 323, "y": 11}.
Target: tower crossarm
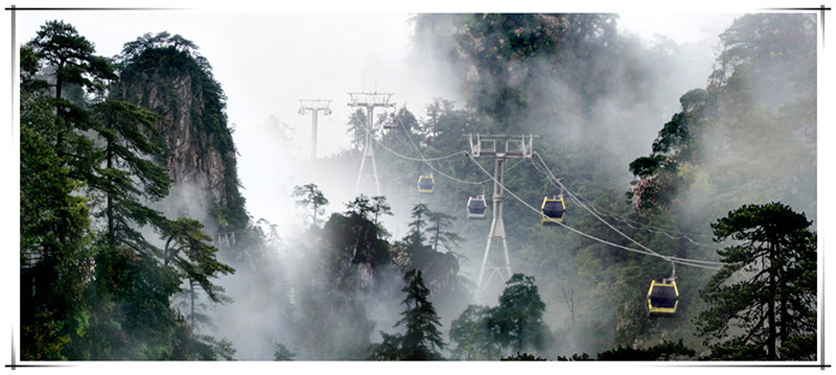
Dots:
{"x": 314, "y": 105}
{"x": 501, "y": 146}
{"x": 370, "y": 99}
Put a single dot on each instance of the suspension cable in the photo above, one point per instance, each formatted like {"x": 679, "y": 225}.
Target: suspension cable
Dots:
{"x": 683, "y": 261}
{"x": 571, "y": 194}
{"x": 626, "y": 221}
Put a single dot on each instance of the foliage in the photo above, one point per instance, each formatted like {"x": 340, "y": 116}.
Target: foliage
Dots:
{"x": 221, "y": 349}
{"x": 420, "y": 215}
{"x": 755, "y": 118}
{"x": 310, "y": 195}
{"x": 58, "y": 44}
{"x": 660, "y": 177}
{"x": 55, "y": 224}
{"x": 186, "y": 248}
{"x": 126, "y": 178}
{"x": 358, "y": 123}
{"x": 55, "y": 259}
{"x": 575, "y": 357}
{"x": 387, "y": 350}
{"x": 282, "y": 353}
{"x": 473, "y": 336}
{"x": 422, "y": 338}
{"x": 440, "y": 270}
{"x": 523, "y": 357}
{"x": 354, "y": 243}
{"x": 362, "y": 207}
{"x": 518, "y": 319}
{"x": 746, "y": 137}
{"x": 516, "y": 324}
{"x": 665, "y": 351}
{"x": 93, "y": 284}
{"x": 439, "y": 222}
{"x": 506, "y": 61}
{"x": 765, "y": 295}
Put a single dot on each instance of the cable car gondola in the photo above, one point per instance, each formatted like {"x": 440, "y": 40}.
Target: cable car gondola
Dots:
{"x": 662, "y": 298}
{"x": 552, "y": 211}
{"x": 390, "y": 123}
{"x": 476, "y": 208}
{"x": 426, "y": 183}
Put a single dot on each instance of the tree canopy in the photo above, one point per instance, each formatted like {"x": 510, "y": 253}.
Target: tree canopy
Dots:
{"x": 765, "y": 296}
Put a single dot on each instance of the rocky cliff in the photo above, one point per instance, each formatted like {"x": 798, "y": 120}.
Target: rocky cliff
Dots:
{"x": 171, "y": 80}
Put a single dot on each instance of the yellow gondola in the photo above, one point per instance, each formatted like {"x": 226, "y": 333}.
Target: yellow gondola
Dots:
{"x": 662, "y": 298}
{"x": 552, "y": 211}
{"x": 476, "y": 208}
{"x": 426, "y": 184}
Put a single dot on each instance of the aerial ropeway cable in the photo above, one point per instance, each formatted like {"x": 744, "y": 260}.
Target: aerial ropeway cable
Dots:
{"x": 552, "y": 179}
{"x": 662, "y": 297}
{"x": 644, "y": 250}
{"x": 663, "y": 231}
{"x": 427, "y": 160}
{"x": 562, "y": 187}
{"x": 672, "y": 234}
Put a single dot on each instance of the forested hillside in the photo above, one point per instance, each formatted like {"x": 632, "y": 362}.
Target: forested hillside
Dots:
{"x": 136, "y": 242}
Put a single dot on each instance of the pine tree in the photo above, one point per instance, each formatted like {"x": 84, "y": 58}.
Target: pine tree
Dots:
{"x": 310, "y": 195}
{"x": 126, "y": 177}
{"x": 774, "y": 302}
{"x": 472, "y": 335}
{"x": 55, "y": 162}
{"x": 439, "y": 233}
{"x": 187, "y": 249}
{"x": 420, "y": 216}
{"x": 422, "y": 338}
{"x": 517, "y": 321}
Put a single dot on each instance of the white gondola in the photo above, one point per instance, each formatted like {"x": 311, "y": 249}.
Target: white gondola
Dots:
{"x": 476, "y": 208}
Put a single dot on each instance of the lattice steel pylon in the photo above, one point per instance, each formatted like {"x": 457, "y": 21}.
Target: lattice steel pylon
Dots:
{"x": 314, "y": 106}
{"x": 369, "y": 101}
{"x": 485, "y": 146}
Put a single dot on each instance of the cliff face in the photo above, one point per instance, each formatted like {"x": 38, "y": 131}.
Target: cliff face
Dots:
{"x": 200, "y": 155}
{"x": 191, "y": 159}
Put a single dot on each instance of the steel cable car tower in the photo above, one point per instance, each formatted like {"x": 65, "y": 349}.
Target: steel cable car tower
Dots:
{"x": 369, "y": 101}
{"x": 314, "y": 106}
{"x": 485, "y": 146}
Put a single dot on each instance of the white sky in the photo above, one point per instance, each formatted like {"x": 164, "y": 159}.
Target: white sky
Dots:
{"x": 266, "y": 61}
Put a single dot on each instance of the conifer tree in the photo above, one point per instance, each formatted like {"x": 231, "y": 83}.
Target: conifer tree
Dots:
{"x": 126, "y": 177}
{"x": 422, "y": 338}
{"x": 762, "y": 303}
{"x": 310, "y": 195}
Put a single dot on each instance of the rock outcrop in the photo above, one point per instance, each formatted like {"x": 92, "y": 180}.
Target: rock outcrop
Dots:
{"x": 200, "y": 154}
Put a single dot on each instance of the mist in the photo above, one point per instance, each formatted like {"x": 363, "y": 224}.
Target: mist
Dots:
{"x": 647, "y": 78}
{"x": 326, "y": 56}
